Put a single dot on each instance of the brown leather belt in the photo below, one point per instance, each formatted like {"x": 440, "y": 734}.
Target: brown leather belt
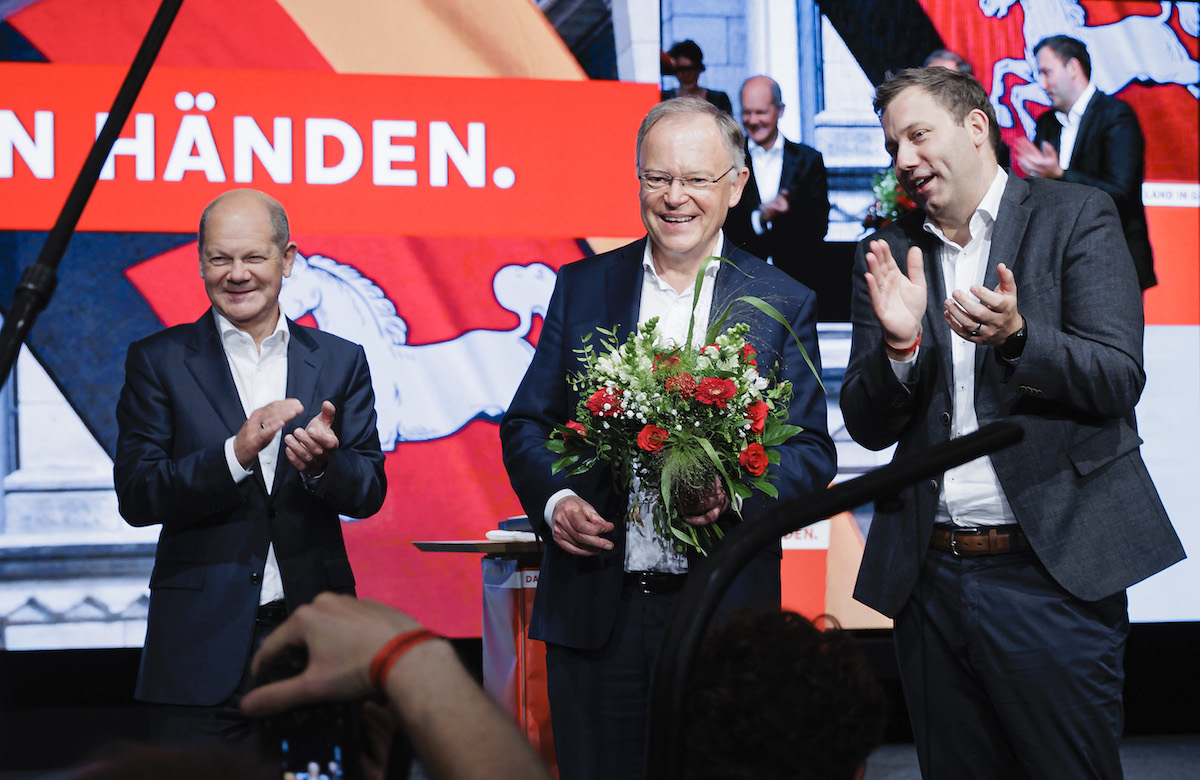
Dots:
{"x": 975, "y": 542}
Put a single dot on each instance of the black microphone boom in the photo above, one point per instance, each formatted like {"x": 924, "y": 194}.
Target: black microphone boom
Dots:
{"x": 700, "y": 596}
{"x": 39, "y": 280}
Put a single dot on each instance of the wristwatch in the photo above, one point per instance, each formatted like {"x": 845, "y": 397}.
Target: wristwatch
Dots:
{"x": 1014, "y": 345}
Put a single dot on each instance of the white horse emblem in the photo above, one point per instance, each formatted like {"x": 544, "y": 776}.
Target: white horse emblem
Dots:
{"x": 1136, "y": 48}
{"x": 425, "y": 391}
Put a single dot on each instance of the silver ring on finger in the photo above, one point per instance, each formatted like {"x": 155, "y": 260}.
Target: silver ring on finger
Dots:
{"x": 975, "y": 332}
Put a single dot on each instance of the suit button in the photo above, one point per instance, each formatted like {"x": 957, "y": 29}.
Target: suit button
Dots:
{"x": 933, "y": 486}
{"x": 945, "y": 418}
{"x": 271, "y": 513}
{"x": 255, "y": 578}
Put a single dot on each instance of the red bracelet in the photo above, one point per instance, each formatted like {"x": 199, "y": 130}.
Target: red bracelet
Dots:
{"x": 392, "y": 651}
{"x": 903, "y": 353}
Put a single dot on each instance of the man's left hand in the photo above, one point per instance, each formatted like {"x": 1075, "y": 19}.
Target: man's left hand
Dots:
{"x": 309, "y": 448}
{"x": 992, "y": 318}
{"x": 713, "y": 503}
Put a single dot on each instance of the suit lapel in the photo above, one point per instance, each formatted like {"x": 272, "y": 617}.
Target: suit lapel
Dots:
{"x": 1087, "y": 125}
{"x": 750, "y": 199}
{"x": 209, "y": 366}
{"x": 791, "y": 159}
{"x": 1007, "y": 235}
{"x": 935, "y": 328}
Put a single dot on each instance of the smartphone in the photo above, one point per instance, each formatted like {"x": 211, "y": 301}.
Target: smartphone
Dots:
{"x": 320, "y": 742}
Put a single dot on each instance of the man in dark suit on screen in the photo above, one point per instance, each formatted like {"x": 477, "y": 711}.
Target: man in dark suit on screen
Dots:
{"x": 783, "y": 214}
{"x": 249, "y": 510}
{"x": 1002, "y": 299}
{"x": 607, "y": 588}
{"x": 1090, "y": 138}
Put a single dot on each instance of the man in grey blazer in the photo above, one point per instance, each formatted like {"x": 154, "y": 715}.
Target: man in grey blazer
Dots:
{"x": 1002, "y": 299}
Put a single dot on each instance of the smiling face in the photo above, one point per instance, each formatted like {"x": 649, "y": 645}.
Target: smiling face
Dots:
{"x": 683, "y": 224}
{"x": 944, "y": 165}
{"x": 1063, "y": 81}
{"x": 760, "y": 115}
{"x": 242, "y": 266}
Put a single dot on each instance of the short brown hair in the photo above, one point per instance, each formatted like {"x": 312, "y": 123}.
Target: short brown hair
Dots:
{"x": 958, "y": 93}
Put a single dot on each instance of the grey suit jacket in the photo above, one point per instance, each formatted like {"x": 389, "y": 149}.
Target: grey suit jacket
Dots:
{"x": 1076, "y": 483}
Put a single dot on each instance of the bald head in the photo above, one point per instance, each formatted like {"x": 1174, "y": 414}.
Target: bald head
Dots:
{"x": 762, "y": 105}
{"x": 242, "y": 199}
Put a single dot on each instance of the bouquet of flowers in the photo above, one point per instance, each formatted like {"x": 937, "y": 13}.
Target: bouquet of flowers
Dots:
{"x": 677, "y": 418}
{"x": 891, "y": 201}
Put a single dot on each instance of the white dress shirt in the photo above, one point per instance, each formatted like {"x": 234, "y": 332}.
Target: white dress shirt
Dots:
{"x": 768, "y": 175}
{"x": 971, "y": 493}
{"x": 1070, "y": 122}
{"x": 260, "y": 378}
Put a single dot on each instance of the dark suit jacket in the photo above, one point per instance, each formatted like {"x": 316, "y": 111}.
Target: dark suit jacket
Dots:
{"x": 1076, "y": 483}
{"x": 577, "y": 597}
{"x": 178, "y": 406}
{"x": 1110, "y": 153}
{"x": 794, "y": 238}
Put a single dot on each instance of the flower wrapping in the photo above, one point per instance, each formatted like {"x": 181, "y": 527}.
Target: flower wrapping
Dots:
{"x": 677, "y": 418}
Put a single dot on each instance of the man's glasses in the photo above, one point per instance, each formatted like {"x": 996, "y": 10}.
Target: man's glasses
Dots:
{"x": 654, "y": 181}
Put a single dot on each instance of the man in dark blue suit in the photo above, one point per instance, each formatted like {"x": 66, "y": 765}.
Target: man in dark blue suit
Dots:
{"x": 1092, "y": 138}
{"x": 607, "y": 589}
{"x": 783, "y": 213}
{"x": 249, "y": 511}
{"x": 1002, "y": 299}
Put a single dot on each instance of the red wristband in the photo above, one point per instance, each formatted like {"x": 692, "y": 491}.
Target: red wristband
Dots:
{"x": 903, "y": 353}
{"x": 392, "y": 651}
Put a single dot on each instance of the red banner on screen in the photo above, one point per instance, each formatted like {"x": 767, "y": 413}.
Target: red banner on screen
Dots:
{"x": 358, "y": 155}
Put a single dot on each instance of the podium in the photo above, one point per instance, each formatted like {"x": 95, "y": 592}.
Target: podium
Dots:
{"x": 514, "y": 666}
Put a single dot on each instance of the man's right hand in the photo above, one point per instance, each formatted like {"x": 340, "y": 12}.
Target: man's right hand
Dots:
{"x": 261, "y": 427}
{"x": 897, "y": 300}
{"x": 576, "y": 527}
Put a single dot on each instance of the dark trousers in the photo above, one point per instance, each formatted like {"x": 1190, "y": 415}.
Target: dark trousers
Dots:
{"x": 599, "y": 698}
{"x": 188, "y": 725}
{"x": 1006, "y": 675}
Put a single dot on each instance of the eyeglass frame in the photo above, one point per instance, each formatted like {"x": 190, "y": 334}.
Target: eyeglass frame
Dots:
{"x": 683, "y": 181}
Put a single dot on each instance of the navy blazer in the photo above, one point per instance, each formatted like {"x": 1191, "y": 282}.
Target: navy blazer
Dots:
{"x": 577, "y": 597}
{"x": 1076, "y": 483}
{"x": 178, "y": 406}
{"x": 1110, "y": 153}
{"x": 792, "y": 238}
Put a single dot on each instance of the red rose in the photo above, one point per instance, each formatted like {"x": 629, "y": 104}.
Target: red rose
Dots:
{"x": 651, "y": 438}
{"x": 757, "y": 414}
{"x": 604, "y": 398}
{"x": 665, "y": 361}
{"x": 748, "y": 353}
{"x": 754, "y": 459}
{"x": 682, "y": 383}
{"x": 714, "y": 391}
{"x": 578, "y": 428}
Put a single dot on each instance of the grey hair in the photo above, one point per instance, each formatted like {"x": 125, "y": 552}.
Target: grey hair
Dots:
{"x": 731, "y": 132}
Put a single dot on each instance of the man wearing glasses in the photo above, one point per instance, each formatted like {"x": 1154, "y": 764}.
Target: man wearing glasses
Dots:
{"x": 607, "y": 590}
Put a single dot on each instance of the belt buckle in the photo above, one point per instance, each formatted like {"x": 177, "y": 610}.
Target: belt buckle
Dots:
{"x": 954, "y": 544}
